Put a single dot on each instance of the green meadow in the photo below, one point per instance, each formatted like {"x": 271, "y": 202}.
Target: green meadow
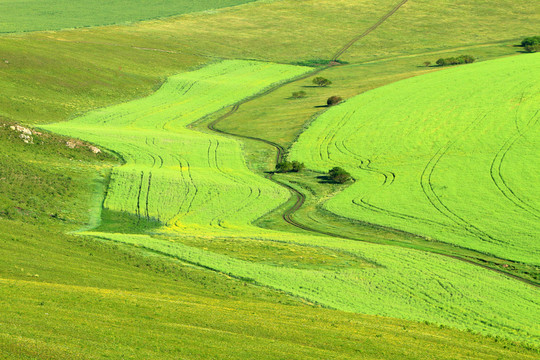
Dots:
{"x": 448, "y": 155}
{"x": 139, "y": 213}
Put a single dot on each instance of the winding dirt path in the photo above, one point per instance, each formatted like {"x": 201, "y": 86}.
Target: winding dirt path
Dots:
{"x": 288, "y": 213}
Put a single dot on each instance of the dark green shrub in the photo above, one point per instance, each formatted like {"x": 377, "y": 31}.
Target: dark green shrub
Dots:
{"x": 333, "y": 100}
{"x": 339, "y": 175}
{"x": 530, "y": 41}
{"x": 462, "y": 59}
{"x": 287, "y": 166}
{"x": 297, "y": 166}
{"x": 284, "y": 166}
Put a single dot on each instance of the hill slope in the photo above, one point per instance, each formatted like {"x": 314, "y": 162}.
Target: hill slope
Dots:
{"x": 448, "y": 155}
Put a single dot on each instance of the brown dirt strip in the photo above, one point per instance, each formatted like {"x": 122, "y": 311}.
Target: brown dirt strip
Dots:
{"x": 365, "y": 33}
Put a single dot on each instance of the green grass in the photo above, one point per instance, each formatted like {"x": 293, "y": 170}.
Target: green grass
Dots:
{"x": 67, "y": 297}
{"x": 464, "y": 173}
{"x": 394, "y": 282}
{"x": 20, "y": 16}
{"x": 56, "y": 76}
{"x": 174, "y": 175}
{"x": 45, "y": 179}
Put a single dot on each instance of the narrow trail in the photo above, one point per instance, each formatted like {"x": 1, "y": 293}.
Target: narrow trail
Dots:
{"x": 346, "y": 47}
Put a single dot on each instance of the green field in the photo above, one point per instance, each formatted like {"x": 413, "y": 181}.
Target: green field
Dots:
{"x": 175, "y": 233}
{"x": 20, "y": 16}
{"x": 378, "y": 280}
{"x": 75, "y": 298}
{"x": 463, "y": 173}
{"x": 197, "y": 184}
{"x": 174, "y": 175}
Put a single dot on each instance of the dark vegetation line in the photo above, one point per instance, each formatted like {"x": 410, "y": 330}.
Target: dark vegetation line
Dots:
{"x": 365, "y": 33}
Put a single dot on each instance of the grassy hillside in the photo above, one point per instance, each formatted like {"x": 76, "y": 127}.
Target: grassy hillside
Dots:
{"x": 20, "y": 16}
{"x": 64, "y": 297}
{"x": 201, "y": 271}
{"x": 448, "y": 179}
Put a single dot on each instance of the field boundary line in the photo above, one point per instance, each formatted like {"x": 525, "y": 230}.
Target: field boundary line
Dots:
{"x": 347, "y": 46}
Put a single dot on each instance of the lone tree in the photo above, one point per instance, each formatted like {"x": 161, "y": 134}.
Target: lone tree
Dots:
{"x": 427, "y": 63}
{"x": 339, "y": 175}
{"x": 320, "y": 81}
{"x": 333, "y": 100}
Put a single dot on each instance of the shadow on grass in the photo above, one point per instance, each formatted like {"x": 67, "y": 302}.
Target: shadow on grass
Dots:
{"x": 325, "y": 179}
{"x": 123, "y": 222}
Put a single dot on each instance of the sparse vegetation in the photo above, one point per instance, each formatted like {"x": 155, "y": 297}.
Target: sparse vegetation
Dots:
{"x": 299, "y": 94}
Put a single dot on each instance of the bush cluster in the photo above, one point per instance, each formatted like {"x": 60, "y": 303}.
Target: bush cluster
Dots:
{"x": 531, "y": 44}
{"x": 463, "y": 59}
{"x": 339, "y": 175}
{"x": 289, "y": 166}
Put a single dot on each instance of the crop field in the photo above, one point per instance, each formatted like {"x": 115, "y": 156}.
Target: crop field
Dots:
{"x": 444, "y": 155}
{"x": 177, "y": 223}
{"x": 379, "y": 280}
{"x": 179, "y": 176}
{"x": 35, "y": 15}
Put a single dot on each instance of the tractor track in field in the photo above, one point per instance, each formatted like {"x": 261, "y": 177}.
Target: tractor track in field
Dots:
{"x": 368, "y": 31}
{"x": 288, "y": 213}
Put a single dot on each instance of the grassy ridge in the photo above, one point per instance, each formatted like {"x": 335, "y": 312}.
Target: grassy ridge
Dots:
{"x": 448, "y": 179}
{"x": 20, "y": 16}
{"x": 178, "y": 176}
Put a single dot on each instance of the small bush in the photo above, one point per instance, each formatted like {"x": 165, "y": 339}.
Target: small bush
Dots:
{"x": 320, "y": 81}
{"x": 339, "y": 175}
{"x": 427, "y": 63}
{"x": 333, "y": 100}
{"x": 530, "y": 41}
{"x": 287, "y": 166}
{"x": 284, "y": 166}
{"x": 299, "y": 94}
{"x": 462, "y": 59}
